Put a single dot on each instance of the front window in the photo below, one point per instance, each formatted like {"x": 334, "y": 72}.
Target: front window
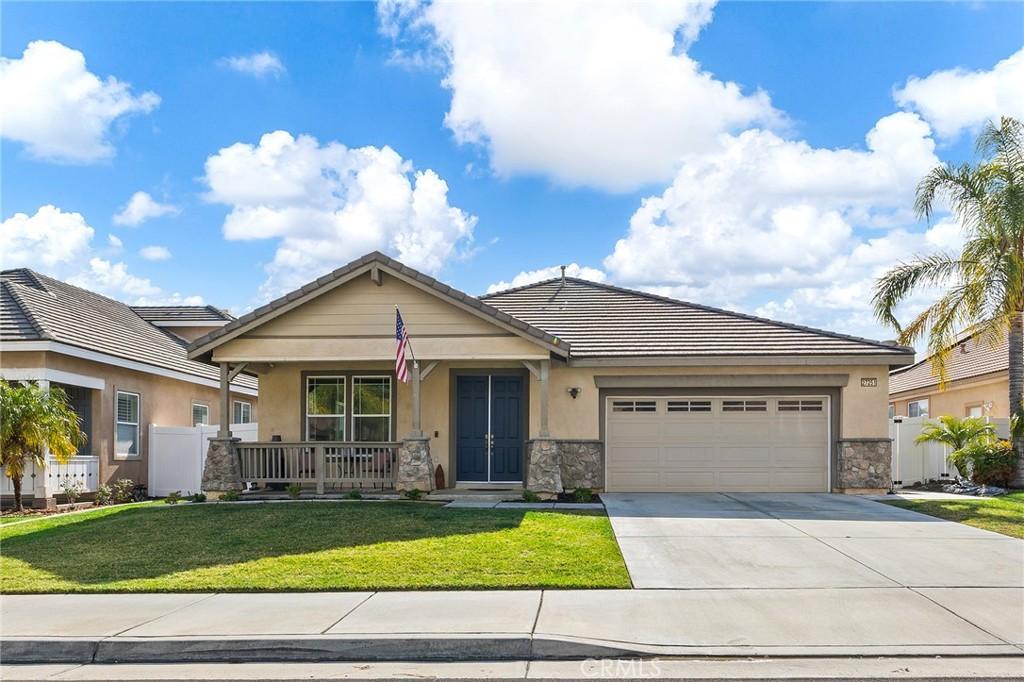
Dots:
{"x": 892, "y": 410}
{"x": 371, "y": 408}
{"x": 917, "y": 408}
{"x": 976, "y": 410}
{"x": 126, "y": 443}
{"x": 242, "y": 412}
{"x": 200, "y": 414}
{"x": 325, "y": 408}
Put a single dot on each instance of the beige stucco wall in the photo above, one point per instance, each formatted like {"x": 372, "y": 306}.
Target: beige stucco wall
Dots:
{"x": 957, "y": 398}
{"x": 863, "y": 412}
{"x": 164, "y": 402}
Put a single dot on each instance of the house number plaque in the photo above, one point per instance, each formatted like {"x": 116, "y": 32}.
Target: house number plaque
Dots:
{"x": 869, "y": 382}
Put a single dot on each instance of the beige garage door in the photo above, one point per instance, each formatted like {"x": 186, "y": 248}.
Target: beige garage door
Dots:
{"x": 754, "y": 444}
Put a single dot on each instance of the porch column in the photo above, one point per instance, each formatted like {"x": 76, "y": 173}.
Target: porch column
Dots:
{"x": 545, "y": 395}
{"x": 42, "y": 494}
{"x": 225, "y": 401}
{"x": 415, "y": 469}
{"x": 417, "y": 429}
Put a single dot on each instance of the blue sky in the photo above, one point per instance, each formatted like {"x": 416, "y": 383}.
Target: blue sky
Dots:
{"x": 578, "y": 143}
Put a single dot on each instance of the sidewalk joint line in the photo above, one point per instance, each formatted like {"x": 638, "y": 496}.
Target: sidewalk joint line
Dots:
{"x": 146, "y": 622}
{"x": 963, "y": 618}
{"x": 348, "y": 613}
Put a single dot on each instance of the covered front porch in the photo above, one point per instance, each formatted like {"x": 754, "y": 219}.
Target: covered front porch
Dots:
{"x": 333, "y": 427}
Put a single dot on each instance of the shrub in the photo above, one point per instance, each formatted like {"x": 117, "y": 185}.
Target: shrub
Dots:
{"x": 72, "y": 489}
{"x": 173, "y": 497}
{"x": 230, "y": 496}
{"x": 104, "y": 494}
{"x": 530, "y": 496}
{"x": 198, "y": 497}
{"x": 986, "y": 462}
{"x": 583, "y": 495}
{"x": 294, "y": 490}
{"x": 413, "y": 494}
{"x": 353, "y": 495}
{"x": 124, "y": 490}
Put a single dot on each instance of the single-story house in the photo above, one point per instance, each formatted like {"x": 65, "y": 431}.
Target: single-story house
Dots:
{"x": 123, "y": 369}
{"x": 561, "y": 384}
{"x": 978, "y": 383}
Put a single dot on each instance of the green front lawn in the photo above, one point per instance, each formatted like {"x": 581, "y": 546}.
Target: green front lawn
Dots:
{"x": 309, "y": 546}
{"x": 1004, "y": 514}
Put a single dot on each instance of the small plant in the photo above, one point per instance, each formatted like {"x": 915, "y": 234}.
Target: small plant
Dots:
{"x": 583, "y": 495}
{"x": 173, "y": 497}
{"x": 72, "y": 489}
{"x": 530, "y": 496}
{"x": 104, "y": 494}
{"x": 230, "y": 496}
{"x": 294, "y": 490}
{"x": 124, "y": 490}
{"x": 353, "y": 495}
{"x": 986, "y": 462}
{"x": 413, "y": 494}
{"x": 198, "y": 497}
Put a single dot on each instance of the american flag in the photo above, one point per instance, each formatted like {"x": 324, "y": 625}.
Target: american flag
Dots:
{"x": 402, "y": 336}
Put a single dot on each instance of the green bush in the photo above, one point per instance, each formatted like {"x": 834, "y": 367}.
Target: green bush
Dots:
{"x": 294, "y": 490}
{"x": 413, "y": 494}
{"x": 72, "y": 489}
{"x": 230, "y": 496}
{"x": 123, "y": 490}
{"x": 530, "y": 496}
{"x": 583, "y": 495}
{"x": 104, "y": 495}
{"x": 173, "y": 497}
{"x": 198, "y": 497}
{"x": 353, "y": 495}
{"x": 986, "y": 462}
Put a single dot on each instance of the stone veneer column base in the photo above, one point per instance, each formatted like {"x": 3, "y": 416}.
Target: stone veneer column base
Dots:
{"x": 222, "y": 471}
{"x": 415, "y": 466}
{"x": 543, "y": 467}
{"x": 555, "y": 465}
{"x": 865, "y": 465}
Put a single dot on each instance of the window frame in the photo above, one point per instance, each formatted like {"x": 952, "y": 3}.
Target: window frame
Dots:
{"x": 137, "y": 424}
{"x": 305, "y": 405}
{"x": 974, "y": 406}
{"x": 892, "y": 410}
{"x": 348, "y": 375}
{"x": 246, "y": 403}
{"x": 391, "y": 405}
{"x": 195, "y": 404}
{"x": 918, "y": 403}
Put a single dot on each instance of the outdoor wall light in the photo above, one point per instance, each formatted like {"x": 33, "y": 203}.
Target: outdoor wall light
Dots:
{"x": 573, "y": 391}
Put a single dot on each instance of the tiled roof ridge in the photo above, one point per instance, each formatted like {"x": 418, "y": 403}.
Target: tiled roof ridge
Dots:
{"x": 29, "y": 273}
{"x": 699, "y": 306}
{"x": 26, "y": 307}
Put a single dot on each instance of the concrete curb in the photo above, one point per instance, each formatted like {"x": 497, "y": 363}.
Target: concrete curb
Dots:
{"x": 381, "y": 648}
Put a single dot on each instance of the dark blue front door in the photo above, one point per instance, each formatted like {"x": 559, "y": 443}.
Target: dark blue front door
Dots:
{"x": 489, "y": 423}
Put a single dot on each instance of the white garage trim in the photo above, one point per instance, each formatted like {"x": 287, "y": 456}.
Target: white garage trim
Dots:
{"x": 773, "y": 398}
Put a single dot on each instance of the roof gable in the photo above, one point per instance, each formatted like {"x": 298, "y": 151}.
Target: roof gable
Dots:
{"x": 969, "y": 358}
{"x": 269, "y": 319}
{"x": 602, "y": 320}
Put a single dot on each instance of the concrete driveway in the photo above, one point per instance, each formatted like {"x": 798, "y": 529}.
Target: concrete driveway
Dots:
{"x": 764, "y": 540}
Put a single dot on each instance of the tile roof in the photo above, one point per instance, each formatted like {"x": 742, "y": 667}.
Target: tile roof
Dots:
{"x": 40, "y": 308}
{"x": 182, "y": 313}
{"x": 601, "y": 320}
{"x": 970, "y": 358}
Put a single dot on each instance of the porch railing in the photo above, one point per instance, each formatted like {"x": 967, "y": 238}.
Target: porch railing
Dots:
{"x": 323, "y": 464}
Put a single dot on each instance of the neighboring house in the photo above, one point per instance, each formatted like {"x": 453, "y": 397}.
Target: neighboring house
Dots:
{"x": 123, "y": 368}
{"x": 978, "y": 383}
{"x": 556, "y": 385}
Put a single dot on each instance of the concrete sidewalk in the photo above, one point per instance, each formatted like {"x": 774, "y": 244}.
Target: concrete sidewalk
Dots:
{"x": 510, "y": 625}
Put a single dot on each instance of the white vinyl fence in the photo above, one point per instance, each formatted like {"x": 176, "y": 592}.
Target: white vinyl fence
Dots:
{"x": 46, "y": 482}
{"x": 920, "y": 463}
{"x": 177, "y": 455}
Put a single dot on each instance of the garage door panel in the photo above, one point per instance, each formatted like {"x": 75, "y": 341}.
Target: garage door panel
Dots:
{"x": 757, "y": 444}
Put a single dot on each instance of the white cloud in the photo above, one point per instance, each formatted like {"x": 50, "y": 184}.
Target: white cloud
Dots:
{"x": 258, "y": 64}
{"x": 530, "y": 276}
{"x": 330, "y": 203}
{"x": 59, "y": 110}
{"x": 956, "y": 100}
{"x": 155, "y": 253}
{"x": 59, "y": 244}
{"x": 765, "y": 217}
{"x": 598, "y": 94}
{"x": 140, "y": 208}
{"x": 114, "y": 242}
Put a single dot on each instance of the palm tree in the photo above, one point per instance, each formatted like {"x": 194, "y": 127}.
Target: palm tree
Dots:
{"x": 955, "y": 432}
{"x": 984, "y": 284}
{"x": 32, "y": 422}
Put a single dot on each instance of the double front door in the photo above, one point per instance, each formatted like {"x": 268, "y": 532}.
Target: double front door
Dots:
{"x": 490, "y": 425}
